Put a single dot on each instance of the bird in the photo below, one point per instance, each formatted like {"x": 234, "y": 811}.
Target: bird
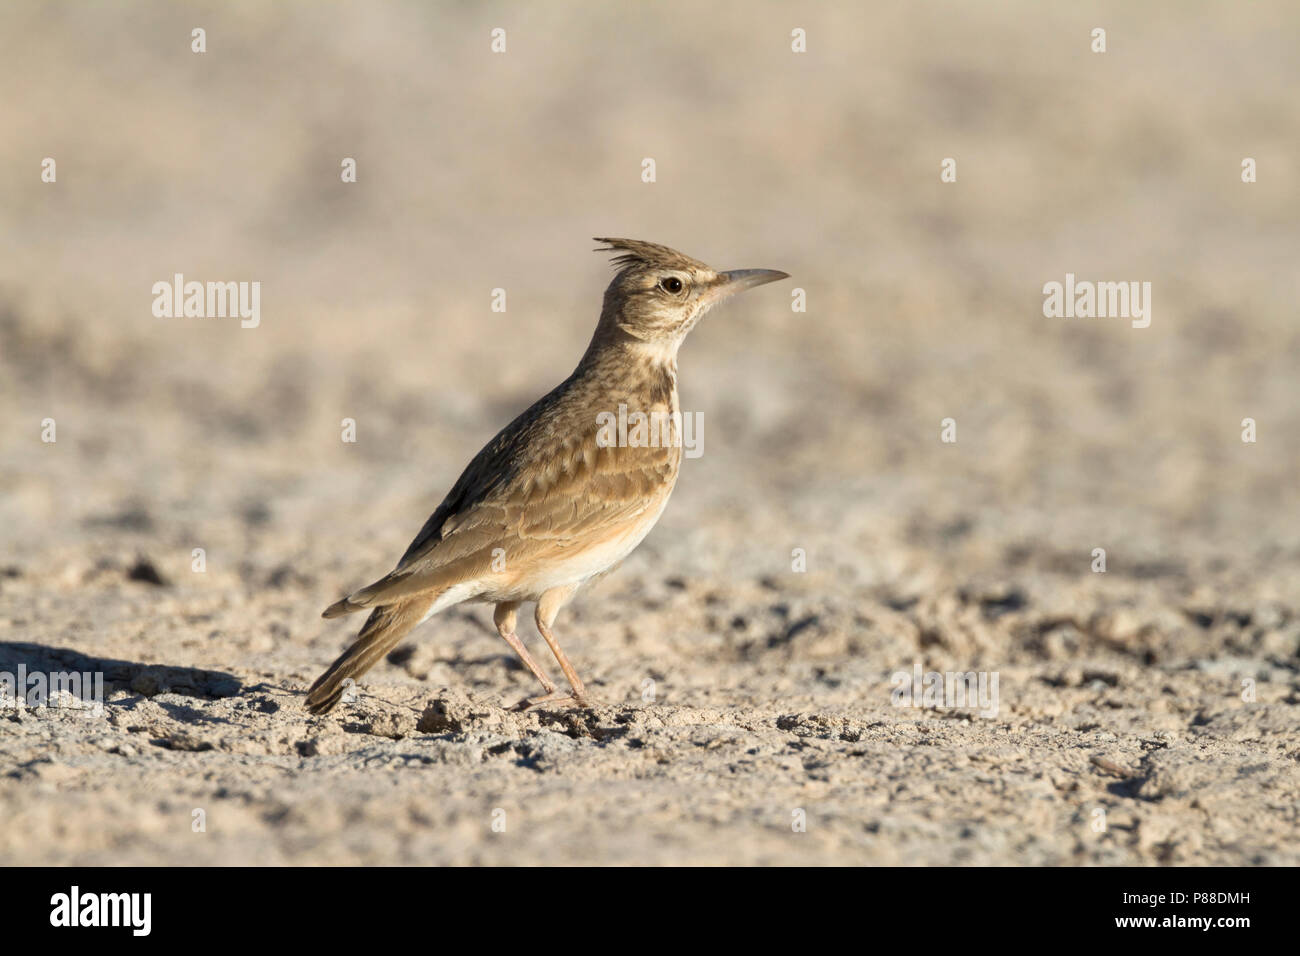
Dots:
{"x": 555, "y": 500}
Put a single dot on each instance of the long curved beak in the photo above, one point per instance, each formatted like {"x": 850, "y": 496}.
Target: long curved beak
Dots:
{"x": 738, "y": 280}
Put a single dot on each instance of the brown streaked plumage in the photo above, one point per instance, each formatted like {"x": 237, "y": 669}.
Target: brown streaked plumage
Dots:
{"x": 545, "y": 507}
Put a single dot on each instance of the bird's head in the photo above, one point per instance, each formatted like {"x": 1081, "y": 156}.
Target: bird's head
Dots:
{"x": 659, "y": 294}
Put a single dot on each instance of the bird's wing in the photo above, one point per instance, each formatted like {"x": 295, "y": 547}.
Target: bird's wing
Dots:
{"x": 535, "y": 500}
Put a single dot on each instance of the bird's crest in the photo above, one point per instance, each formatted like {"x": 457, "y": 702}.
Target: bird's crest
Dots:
{"x": 636, "y": 253}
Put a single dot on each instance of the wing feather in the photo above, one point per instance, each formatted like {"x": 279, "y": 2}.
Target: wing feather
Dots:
{"x": 540, "y": 489}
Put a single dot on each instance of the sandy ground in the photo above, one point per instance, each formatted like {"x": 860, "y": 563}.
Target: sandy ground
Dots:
{"x": 1146, "y": 715}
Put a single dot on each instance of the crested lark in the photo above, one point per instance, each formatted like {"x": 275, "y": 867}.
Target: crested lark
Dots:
{"x": 549, "y": 504}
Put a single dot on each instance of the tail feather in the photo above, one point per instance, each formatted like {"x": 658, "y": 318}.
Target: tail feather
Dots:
{"x": 385, "y": 627}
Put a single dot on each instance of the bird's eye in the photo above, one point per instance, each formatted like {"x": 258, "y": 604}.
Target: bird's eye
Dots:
{"x": 671, "y": 285}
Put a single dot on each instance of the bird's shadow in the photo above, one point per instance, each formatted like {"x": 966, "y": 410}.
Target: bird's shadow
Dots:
{"x": 133, "y": 676}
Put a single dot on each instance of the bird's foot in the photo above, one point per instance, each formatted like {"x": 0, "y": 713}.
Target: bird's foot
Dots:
{"x": 558, "y": 698}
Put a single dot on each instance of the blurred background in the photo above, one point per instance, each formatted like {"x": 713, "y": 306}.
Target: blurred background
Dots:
{"x": 479, "y": 171}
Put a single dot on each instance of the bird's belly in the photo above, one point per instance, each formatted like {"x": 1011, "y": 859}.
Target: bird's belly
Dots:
{"x": 574, "y": 565}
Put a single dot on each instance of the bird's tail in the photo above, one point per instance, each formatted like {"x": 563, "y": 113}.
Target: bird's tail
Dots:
{"x": 383, "y": 629}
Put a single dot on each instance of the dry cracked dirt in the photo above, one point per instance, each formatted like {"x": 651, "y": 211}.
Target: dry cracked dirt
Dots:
{"x": 737, "y": 724}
